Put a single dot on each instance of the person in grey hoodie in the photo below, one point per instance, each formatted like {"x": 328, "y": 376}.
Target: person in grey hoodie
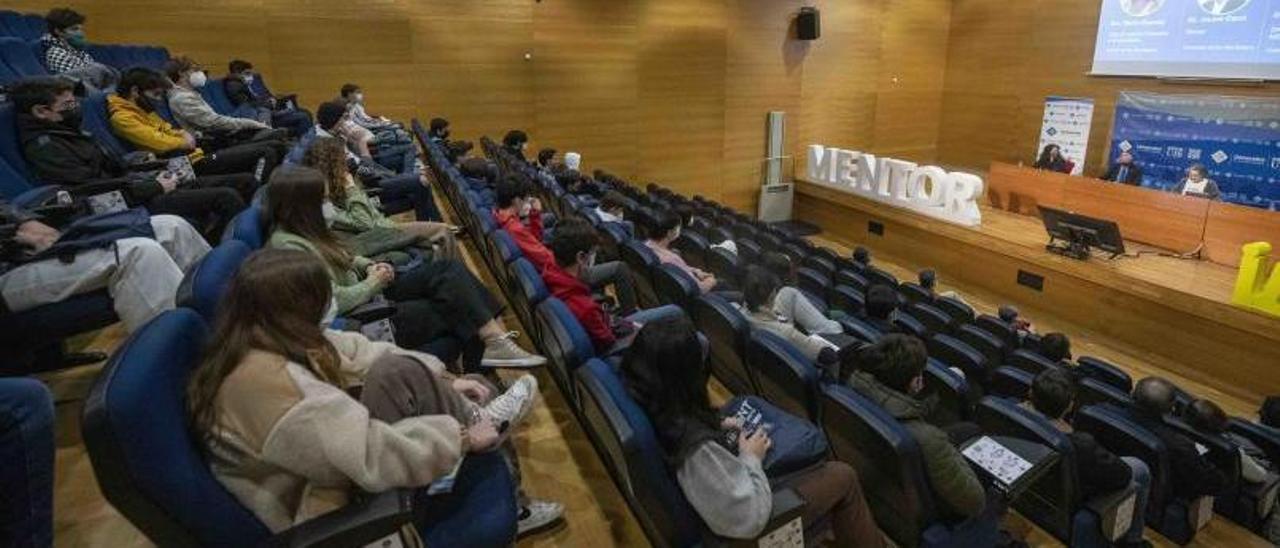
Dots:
{"x": 725, "y": 482}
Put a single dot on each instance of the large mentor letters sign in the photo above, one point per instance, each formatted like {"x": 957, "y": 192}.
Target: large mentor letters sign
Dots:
{"x": 931, "y": 190}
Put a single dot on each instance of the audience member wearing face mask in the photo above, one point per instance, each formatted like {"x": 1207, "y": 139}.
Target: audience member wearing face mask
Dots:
{"x": 253, "y": 100}
{"x": 65, "y": 55}
{"x": 59, "y": 152}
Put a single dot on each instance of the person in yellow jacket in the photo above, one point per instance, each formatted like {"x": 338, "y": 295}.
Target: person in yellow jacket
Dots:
{"x": 133, "y": 115}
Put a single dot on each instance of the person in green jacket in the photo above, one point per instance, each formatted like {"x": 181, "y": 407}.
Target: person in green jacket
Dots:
{"x": 435, "y": 299}
{"x": 892, "y": 375}
{"x": 355, "y": 213}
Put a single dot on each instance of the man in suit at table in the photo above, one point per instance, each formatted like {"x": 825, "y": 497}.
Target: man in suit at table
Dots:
{"x": 1123, "y": 170}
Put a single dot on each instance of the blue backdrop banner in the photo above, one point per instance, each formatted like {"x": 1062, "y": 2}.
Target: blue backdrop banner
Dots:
{"x": 1236, "y": 138}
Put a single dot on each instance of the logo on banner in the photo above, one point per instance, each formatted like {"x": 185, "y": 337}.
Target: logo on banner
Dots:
{"x": 1219, "y": 157}
{"x": 930, "y": 190}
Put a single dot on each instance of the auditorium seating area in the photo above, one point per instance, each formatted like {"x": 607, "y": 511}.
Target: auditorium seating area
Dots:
{"x": 130, "y": 430}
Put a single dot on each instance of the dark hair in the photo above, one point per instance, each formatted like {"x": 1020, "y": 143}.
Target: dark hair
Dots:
{"x": 477, "y": 168}
{"x": 1206, "y": 416}
{"x": 882, "y": 300}
{"x": 777, "y": 263}
{"x": 861, "y": 255}
{"x": 144, "y": 79}
{"x": 1044, "y": 158}
{"x": 666, "y": 374}
{"x": 1008, "y": 313}
{"x": 1052, "y": 392}
{"x": 295, "y": 198}
{"x": 1055, "y": 346}
{"x": 62, "y": 18}
{"x": 685, "y": 212}
{"x": 39, "y": 91}
{"x": 661, "y": 224}
{"x": 459, "y": 148}
{"x": 1153, "y": 396}
{"x": 176, "y": 66}
{"x": 1199, "y": 167}
{"x": 329, "y": 113}
{"x": 236, "y": 66}
{"x": 568, "y": 178}
{"x": 895, "y": 360}
{"x": 348, "y": 89}
{"x": 1269, "y": 413}
{"x": 545, "y": 155}
{"x": 928, "y": 279}
{"x": 509, "y": 189}
{"x": 514, "y": 138}
{"x": 613, "y": 200}
{"x": 758, "y": 287}
{"x": 572, "y": 236}
{"x": 438, "y": 124}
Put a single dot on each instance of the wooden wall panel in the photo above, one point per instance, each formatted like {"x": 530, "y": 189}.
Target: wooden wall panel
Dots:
{"x": 667, "y": 91}
{"x": 1004, "y": 58}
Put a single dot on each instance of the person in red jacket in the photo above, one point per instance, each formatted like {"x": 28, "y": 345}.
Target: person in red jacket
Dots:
{"x": 574, "y": 246}
{"x": 520, "y": 214}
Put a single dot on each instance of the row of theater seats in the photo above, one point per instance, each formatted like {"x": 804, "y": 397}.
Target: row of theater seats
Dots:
{"x": 22, "y": 56}
{"x": 997, "y": 362}
{"x": 37, "y": 345}
{"x": 150, "y": 469}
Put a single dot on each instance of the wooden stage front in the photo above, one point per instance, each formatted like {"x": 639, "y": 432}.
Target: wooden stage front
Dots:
{"x": 1175, "y": 310}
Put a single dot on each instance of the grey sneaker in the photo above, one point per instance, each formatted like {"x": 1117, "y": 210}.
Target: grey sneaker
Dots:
{"x": 538, "y": 514}
{"x": 504, "y": 352}
{"x": 511, "y": 406}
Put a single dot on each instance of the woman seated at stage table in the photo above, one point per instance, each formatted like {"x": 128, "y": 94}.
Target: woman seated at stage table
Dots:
{"x": 1051, "y": 159}
{"x": 1198, "y": 183}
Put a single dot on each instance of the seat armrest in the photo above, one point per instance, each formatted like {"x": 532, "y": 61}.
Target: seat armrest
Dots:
{"x": 1114, "y": 511}
{"x": 357, "y": 524}
{"x": 785, "y": 526}
{"x": 371, "y": 312}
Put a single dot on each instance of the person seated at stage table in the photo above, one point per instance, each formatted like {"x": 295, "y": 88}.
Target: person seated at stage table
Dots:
{"x": 1124, "y": 170}
{"x": 1051, "y": 159}
{"x": 1198, "y": 183}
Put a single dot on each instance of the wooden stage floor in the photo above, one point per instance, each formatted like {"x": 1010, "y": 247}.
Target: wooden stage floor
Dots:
{"x": 1173, "y": 312}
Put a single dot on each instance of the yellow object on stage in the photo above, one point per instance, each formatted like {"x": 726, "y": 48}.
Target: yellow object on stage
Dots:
{"x": 1254, "y": 289}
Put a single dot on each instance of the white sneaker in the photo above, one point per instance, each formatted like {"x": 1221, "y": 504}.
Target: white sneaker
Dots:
{"x": 538, "y": 514}
{"x": 504, "y": 352}
{"x": 513, "y": 405}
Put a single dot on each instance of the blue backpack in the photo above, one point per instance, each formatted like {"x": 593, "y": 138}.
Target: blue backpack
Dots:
{"x": 797, "y": 443}
{"x": 97, "y": 232}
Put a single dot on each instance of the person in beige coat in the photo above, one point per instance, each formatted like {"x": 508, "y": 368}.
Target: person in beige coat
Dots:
{"x": 274, "y": 407}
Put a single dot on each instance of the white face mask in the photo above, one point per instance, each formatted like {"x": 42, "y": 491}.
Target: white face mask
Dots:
{"x": 330, "y": 312}
{"x": 359, "y": 98}
{"x": 198, "y": 79}
{"x": 330, "y": 213}
{"x": 248, "y": 78}
{"x": 525, "y": 208}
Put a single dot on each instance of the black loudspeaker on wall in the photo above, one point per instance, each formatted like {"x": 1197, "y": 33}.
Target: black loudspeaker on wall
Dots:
{"x": 808, "y": 24}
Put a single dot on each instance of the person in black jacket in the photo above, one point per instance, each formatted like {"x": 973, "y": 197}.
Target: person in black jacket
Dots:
{"x": 881, "y": 305}
{"x": 1100, "y": 471}
{"x": 1194, "y": 476}
{"x": 1124, "y": 170}
{"x": 61, "y": 153}
{"x": 279, "y": 113}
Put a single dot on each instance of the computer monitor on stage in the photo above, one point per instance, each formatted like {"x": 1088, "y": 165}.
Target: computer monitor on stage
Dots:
{"x": 1079, "y": 233}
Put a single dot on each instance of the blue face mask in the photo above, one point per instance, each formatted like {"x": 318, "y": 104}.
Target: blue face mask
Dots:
{"x": 76, "y": 39}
